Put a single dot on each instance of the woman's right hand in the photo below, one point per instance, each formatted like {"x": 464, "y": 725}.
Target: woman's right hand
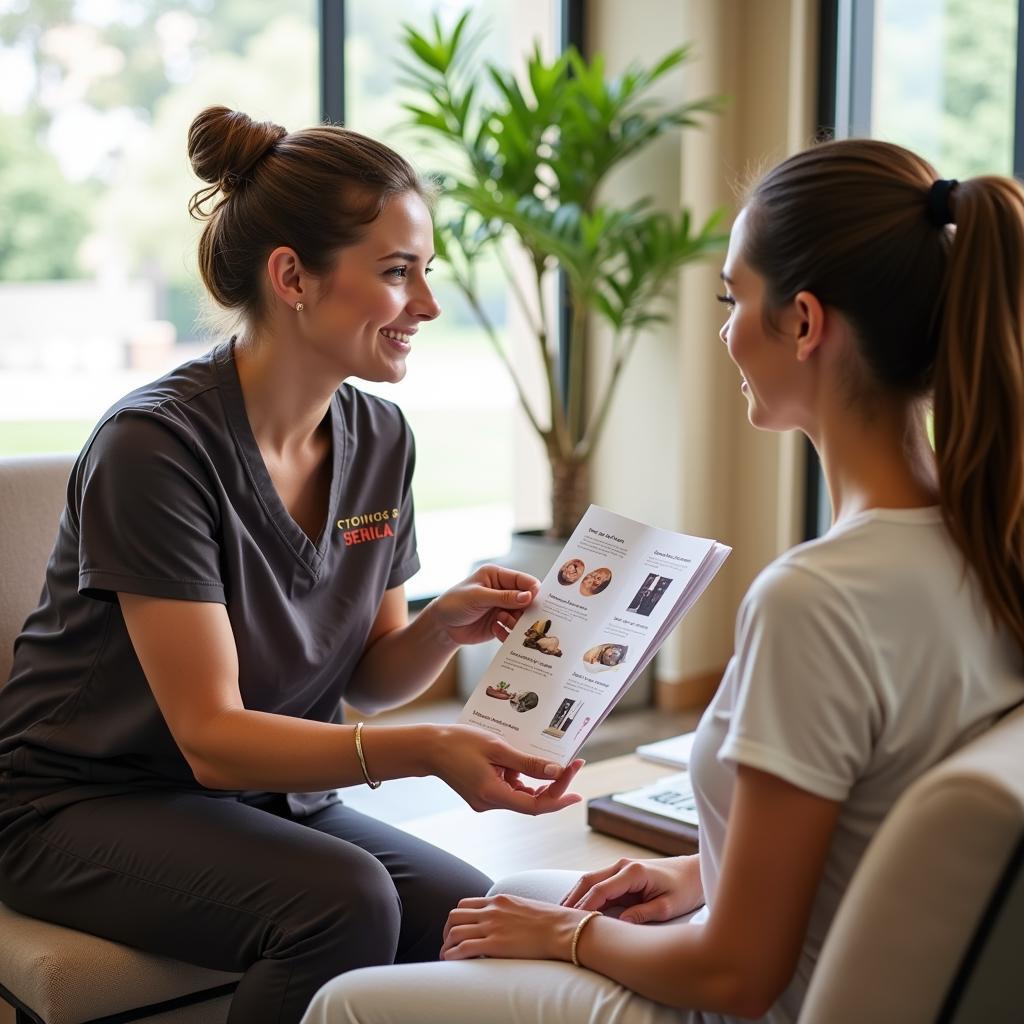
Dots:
{"x": 485, "y": 771}
{"x": 651, "y": 890}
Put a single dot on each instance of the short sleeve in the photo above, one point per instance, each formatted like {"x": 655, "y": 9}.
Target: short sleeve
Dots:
{"x": 806, "y": 709}
{"x": 405, "y": 562}
{"x": 147, "y": 515}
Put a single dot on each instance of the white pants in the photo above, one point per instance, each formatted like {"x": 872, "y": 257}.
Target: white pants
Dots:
{"x": 491, "y": 991}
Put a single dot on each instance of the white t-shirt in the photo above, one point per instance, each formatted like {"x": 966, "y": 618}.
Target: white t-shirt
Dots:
{"x": 862, "y": 659}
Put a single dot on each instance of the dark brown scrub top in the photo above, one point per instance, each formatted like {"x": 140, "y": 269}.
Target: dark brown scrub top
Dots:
{"x": 171, "y": 498}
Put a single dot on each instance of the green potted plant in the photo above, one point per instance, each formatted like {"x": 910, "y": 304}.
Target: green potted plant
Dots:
{"x": 527, "y": 167}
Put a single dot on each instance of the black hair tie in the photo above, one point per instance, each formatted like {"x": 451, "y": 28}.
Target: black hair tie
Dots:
{"x": 939, "y": 212}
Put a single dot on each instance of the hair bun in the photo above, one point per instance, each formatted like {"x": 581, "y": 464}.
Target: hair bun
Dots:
{"x": 225, "y": 145}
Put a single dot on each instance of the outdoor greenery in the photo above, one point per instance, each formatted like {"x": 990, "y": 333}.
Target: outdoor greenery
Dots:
{"x": 114, "y": 191}
{"x": 43, "y": 219}
{"x": 154, "y": 57}
{"x": 94, "y": 181}
{"x": 94, "y": 164}
{"x": 35, "y": 437}
{"x": 469, "y": 474}
{"x": 945, "y": 80}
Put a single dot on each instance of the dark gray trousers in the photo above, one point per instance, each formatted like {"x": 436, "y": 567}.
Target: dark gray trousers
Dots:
{"x": 239, "y": 886}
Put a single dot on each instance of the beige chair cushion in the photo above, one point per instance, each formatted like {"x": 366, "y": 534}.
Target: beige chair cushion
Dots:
{"x": 915, "y": 902}
{"x": 68, "y": 977}
{"x": 63, "y": 975}
{"x": 32, "y": 494}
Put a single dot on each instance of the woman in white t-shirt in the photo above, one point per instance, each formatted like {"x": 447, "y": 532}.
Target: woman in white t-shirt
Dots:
{"x": 862, "y": 658}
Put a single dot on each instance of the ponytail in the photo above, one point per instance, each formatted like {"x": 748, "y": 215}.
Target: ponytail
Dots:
{"x": 979, "y": 392}
{"x": 860, "y": 223}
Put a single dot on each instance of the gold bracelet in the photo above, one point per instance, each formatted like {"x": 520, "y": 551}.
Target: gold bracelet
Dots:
{"x": 584, "y": 921}
{"x": 373, "y": 784}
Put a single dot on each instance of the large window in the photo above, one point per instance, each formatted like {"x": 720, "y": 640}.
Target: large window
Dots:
{"x": 98, "y": 286}
{"x": 938, "y": 76}
{"x": 470, "y": 481}
{"x": 943, "y": 81}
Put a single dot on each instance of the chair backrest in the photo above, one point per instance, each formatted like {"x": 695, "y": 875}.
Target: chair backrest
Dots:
{"x": 33, "y": 490}
{"x": 932, "y": 926}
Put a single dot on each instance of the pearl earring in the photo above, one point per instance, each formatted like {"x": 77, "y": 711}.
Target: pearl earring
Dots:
{"x": 299, "y": 307}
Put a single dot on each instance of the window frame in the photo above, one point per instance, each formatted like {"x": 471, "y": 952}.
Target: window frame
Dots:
{"x": 332, "y": 60}
{"x": 570, "y": 29}
{"x": 845, "y": 76}
{"x": 571, "y": 20}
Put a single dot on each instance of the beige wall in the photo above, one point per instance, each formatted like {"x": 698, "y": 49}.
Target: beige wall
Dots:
{"x": 678, "y": 450}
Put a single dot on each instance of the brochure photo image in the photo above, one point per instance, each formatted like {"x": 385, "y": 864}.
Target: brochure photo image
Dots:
{"x": 571, "y": 572}
{"x": 613, "y": 595}
{"x": 596, "y": 581}
{"x": 647, "y": 597}
{"x": 574, "y": 572}
{"x": 523, "y": 701}
{"x": 605, "y": 656}
{"x": 567, "y": 713}
{"x": 538, "y": 638}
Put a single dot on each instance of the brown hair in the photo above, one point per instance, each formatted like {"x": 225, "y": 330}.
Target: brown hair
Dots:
{"x": 314, "y": 190}
{"x": 934, "y": 310}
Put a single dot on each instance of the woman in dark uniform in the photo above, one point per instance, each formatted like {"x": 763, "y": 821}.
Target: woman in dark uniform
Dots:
{"x": 229, "y": 566}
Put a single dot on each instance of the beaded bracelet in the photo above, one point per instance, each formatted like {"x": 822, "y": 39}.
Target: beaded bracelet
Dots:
{"x": 584, "y": 921}
{"x": 372, "y": 783}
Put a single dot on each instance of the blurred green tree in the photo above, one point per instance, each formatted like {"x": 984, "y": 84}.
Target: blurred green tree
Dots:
{"x": 159, "y": 235}
{"x": 139, "y": 71}
{"x": 152, "y": 48}
{"x": 944, "y": 77}
{"x": 43, "y": 218}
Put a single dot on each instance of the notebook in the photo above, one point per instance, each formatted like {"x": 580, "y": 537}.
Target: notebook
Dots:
{"x": 661, "y": 816}
{"x": 675, "y": 751}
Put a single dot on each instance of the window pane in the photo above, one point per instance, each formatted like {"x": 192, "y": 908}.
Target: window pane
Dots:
{"x": 944, "y": 76}
{"x": 456, "y": 395}
{"x": 98, "y": 287}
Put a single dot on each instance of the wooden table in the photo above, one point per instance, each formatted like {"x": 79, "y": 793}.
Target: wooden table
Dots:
{"x": 503, "y": 842}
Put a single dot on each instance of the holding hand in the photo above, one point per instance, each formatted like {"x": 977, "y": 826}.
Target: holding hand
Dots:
{"x": 487, "y": 604}
{"x": 651, "y": 890}
{"x": 485, "y": 771}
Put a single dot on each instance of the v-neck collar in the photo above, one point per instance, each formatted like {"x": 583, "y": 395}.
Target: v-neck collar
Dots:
{"x": 305, "y": 550}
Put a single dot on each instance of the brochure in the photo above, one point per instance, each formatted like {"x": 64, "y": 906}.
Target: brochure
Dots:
{"x": 614, "y": 594}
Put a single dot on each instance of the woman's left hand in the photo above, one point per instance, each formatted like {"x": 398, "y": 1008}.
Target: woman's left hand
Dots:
{"x": 509, "y": 927}
{"x": 487, "y": 604}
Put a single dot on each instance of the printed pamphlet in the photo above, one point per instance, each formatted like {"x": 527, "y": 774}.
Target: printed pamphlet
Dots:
{"x": 614, "y": 594}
